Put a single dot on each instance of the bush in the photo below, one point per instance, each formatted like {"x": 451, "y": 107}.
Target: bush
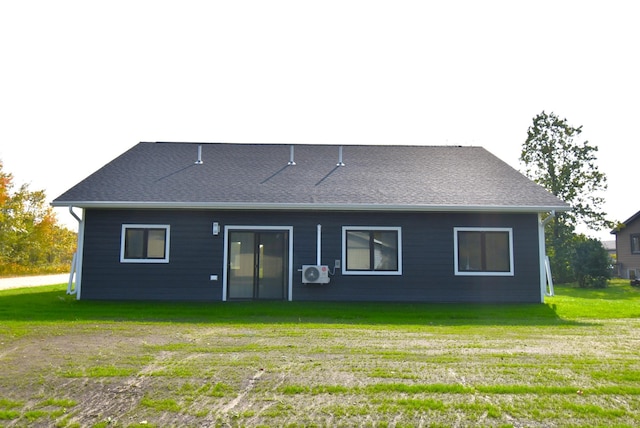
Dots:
{"x": 594, "y": 282}
{"x": 14, "y": 269}
{"x": 591, "y": 264}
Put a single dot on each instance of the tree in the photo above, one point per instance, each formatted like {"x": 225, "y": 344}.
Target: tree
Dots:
{"x": 567, "y": 168}
{"x": 561, "y": 247}
{"x": 591, "y": 264}
{"x": 30, "y": 238}
{"x": 6, "y": 184}
{"x": 555, "y": 157}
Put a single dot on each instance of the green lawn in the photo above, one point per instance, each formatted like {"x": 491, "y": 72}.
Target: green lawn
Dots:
{"x": 572, "y": 361}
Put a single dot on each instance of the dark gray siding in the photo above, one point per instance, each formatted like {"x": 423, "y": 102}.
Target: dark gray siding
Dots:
{"x": 195, "y": 254}
{"x": 185, "y": 277}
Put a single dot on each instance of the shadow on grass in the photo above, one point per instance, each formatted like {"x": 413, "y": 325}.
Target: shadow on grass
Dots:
{"x": 51, "y": 304}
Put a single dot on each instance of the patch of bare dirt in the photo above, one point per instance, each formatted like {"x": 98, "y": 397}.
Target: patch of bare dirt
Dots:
{"x": 195, "y": 375}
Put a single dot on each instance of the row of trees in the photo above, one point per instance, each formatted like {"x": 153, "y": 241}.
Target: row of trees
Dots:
{"x": 556, "y": 158}
{"x": 31, "y": 240}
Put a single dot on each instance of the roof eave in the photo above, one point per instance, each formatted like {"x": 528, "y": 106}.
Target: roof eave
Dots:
{"x": 626, "y": 223}
{"x": 310, "y": 206}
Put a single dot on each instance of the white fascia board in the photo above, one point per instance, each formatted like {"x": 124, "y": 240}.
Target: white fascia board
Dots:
{"x": 310, "y": 206}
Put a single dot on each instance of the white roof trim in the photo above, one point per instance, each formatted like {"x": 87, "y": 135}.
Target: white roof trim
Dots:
{"x": 310, "y": 206}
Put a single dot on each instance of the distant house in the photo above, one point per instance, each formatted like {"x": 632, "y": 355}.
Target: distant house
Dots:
{"x": 610, "y": 246}
{"x": 628, "y": 247}
{"x": 219, "y": 222}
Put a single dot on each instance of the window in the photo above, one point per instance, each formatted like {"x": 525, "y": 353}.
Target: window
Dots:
{"x": 483, "y": 251}
{"x": 635, "y": 243}
{"x": 371, "y": 250}
{"x": 144, "y": 243}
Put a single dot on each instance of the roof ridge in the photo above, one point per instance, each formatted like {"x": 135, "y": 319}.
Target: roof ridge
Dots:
{"x": 314, "y": 144}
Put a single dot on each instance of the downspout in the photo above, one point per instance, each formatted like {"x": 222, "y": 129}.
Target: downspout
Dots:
{"x": 77, "y": 259}
{"x": 319, "y": 246}
{"x": 545, "y": 268}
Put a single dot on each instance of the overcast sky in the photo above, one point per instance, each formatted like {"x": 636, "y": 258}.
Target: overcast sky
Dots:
{"x": 83, "y": 81}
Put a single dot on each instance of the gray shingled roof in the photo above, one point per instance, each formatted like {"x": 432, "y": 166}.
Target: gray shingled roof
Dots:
{"x": 430, "y": 178}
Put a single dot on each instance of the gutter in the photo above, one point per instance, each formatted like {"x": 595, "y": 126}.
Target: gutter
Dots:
{"x": 545, "y": 266}
{"x": 550, "y": 217}
{"x": 311, "y": 206}
{"x": 76, "y": 264}
{"x": 74, "y": 214}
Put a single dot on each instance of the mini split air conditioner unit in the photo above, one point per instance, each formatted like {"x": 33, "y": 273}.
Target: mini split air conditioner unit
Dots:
{"x": 315, "y": 274}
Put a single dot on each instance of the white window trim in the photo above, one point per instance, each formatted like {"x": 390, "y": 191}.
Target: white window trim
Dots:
{"x": 370, "y": 272}
{"x": 482, "y": 229}
{"x": 167, "y": 229}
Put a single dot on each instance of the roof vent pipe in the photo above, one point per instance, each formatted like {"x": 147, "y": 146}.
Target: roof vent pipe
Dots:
{"x": 340, "y": 163}
{"x": 291, "y": 161}
{"x": 199, "y": 161}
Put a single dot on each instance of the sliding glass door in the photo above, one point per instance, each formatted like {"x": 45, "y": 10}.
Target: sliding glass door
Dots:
{"x": 257, "y": 264}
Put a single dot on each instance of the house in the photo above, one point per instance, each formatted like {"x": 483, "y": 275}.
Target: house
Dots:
{"x": 218, "y": 222}
{"x": 628, "y": 247}
{"x": 610, "y": 247}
